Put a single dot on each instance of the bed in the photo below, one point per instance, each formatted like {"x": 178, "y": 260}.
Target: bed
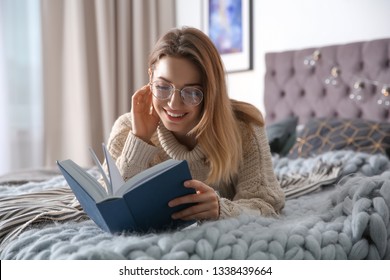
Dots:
{"x": 327, "y": 121}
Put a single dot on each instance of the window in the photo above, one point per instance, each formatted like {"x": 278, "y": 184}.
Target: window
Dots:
{"x": 21, "y": 101}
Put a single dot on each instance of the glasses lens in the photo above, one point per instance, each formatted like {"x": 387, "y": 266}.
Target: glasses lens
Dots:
{"x": 161, "y": 90}
{"x": 192, "y": 96}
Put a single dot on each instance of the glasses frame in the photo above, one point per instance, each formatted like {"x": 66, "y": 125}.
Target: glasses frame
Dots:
{"x": 173, "y": 89}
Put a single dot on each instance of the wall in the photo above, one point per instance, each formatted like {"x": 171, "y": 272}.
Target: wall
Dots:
{"x": 280, "y": 25}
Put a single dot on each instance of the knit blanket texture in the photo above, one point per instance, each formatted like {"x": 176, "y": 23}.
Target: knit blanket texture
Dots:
{"x": 348, "y": 219}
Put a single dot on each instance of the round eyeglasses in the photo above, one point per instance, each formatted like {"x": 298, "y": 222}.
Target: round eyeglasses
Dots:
{"x": 162, "y": 90}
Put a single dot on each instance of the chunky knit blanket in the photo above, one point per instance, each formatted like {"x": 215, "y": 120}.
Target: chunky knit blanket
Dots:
{"x": 346, "y": 219}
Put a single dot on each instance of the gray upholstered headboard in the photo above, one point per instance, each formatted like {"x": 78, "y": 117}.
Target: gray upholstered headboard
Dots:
{"x": 294, "y": 88}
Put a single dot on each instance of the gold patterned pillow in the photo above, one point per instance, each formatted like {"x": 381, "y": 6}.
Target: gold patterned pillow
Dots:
{"x": 329, "y": 134}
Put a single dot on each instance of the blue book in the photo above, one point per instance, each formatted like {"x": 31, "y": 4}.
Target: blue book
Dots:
{"x": 139, "y": 204}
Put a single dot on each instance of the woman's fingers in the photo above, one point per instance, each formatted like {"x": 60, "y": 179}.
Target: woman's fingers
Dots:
{"x": 144, "y": 119}
{"x": 142, "y": 99}
{"x": 200, "y": 211}
{"x": 202, "y": 193}
{"x": 206, "y": 203}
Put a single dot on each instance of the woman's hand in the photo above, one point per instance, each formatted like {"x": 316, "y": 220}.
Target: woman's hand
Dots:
{"x": 207, "y": 203}
{"x": 144, "y": 118}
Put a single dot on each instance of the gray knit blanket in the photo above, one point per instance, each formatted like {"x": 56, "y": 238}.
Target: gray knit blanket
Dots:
{"x": 345, "y": 219}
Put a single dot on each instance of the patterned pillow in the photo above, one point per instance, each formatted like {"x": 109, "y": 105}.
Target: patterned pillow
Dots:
{"x": 329, "y": 134}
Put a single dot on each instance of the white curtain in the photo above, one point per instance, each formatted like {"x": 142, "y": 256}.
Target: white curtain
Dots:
{"x": 4, "y": 139}
{"x": 21, "y": 127}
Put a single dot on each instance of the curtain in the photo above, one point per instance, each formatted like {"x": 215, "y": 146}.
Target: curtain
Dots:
{"x": 4, "y": 164}
{"x": 21, "y": 129}
{"x": 94, "y": 57}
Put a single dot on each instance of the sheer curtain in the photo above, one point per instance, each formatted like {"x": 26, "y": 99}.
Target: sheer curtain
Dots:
{"x": 94, "y": 56}
{"x": 21, "y": 129}
{"x": 4, "y": 140}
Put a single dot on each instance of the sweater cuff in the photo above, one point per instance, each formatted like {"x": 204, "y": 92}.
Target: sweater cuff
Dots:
{"x": 227, "y": 209}
{"x": 138, "y": 151}
{"x": 224, "y": 211}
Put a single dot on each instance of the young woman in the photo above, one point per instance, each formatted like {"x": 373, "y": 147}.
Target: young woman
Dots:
{"x": 185, "y": 113}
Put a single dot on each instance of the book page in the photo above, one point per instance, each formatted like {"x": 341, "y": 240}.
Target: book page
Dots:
{"x": 113, "y": 171}
{"x": 83, "y": 180}
{"x": 104, "y": 175}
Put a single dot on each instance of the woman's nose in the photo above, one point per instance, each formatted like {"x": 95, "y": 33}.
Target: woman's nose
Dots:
{"x": 175, "y": 101}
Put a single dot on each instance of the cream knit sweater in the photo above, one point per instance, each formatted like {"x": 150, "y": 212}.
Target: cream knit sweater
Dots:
{"x": 255, "y": 190}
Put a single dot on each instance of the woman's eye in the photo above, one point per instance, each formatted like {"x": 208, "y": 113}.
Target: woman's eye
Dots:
{"x": 163, "y": 87}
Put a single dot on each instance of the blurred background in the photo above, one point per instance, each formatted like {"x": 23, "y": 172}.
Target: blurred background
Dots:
{"x": 68, "y": 67}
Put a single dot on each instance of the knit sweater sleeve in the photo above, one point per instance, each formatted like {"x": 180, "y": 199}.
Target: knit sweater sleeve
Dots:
{"x": 256, "y": 189}
{"x": 132, "y": 155}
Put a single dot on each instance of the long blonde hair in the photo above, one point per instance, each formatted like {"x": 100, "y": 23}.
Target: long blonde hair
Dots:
{"x": 218, "y": 131}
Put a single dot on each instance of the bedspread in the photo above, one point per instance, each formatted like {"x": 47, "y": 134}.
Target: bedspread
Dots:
{"x": 346, "y": 219}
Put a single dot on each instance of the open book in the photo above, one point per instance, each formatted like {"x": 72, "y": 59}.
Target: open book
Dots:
{"x": 139, "y": 204}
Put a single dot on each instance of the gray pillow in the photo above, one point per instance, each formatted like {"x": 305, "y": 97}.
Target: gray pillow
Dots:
{"x": 282, "y": 135}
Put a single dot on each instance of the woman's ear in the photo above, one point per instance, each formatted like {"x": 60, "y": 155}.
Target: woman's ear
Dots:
{"x": 150, "y": 74}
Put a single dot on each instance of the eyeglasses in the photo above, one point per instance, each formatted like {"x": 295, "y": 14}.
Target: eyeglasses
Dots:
{"x": 162, "y": 90}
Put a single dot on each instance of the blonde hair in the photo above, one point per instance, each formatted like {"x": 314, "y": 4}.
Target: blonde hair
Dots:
{"x": 218, "y": 131}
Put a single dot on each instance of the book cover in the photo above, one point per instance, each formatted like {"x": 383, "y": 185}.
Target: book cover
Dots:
{"x": 140, "y": 204}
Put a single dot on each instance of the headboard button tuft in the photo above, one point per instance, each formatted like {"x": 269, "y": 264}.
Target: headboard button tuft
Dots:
{"x": 347, "y": 91}
{"x": 373, "y": 90}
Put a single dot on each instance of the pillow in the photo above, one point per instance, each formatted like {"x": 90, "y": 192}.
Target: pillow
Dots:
{"x": 282, "y": 135}
{"x": 329, "y": 134}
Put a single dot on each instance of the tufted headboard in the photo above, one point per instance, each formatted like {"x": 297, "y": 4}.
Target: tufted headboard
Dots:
{"x": 295, "y": 82}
